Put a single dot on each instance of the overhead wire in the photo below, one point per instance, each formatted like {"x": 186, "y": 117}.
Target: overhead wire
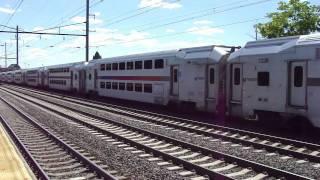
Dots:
{"x": 198, "y": 16}
{"x": 182, "y": 32}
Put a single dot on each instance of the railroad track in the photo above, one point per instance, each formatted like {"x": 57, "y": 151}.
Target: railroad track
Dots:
{"x": 301, "y": 150}
{"x": 50, "y": 156}
{"x": 196, "y": 159}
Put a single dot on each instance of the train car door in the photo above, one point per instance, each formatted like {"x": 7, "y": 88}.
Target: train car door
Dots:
{"x": 236, "y": 87}
{"x": 297, "y": 79}
{"x": 82, "y": 81}
{"x": 42, "y": 79}
{"x": 175, "y": 80}
{"x": 211, "y": 81}
{"x": 71, "y": 80}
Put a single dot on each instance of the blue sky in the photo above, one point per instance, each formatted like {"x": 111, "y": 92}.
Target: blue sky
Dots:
{"x": 127, "y": 26}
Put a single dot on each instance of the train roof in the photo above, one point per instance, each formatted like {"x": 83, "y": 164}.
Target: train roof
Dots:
{"x": 64, "y": 65}
{"x": 276, "y": 45}
{"x": 211, "y": 53}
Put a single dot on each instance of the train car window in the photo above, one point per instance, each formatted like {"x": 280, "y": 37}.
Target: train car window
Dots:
{"x": 175, "y": 75}
{"x": 129, "y": 65}
{"x": 75, "y": 77}
{"x": 129, "y": 86}
{"x": 138, "y": 65}
{"x": 90, "y": 76}
{"x": 147, "y": 88}
{"x": 158, "y": 64}
{"x": 263, "y": 78}
{"x": 108, "y": 85}
{"x": 102, "y": 67}
{"x": 298, "y": 76}
{"x": 122, "y": 86}
{"x": 236, "y": 76}
{"x": 148, "y": 64}
{"x": 122, "y": 66}
{"x": 114, "y": 66}
{"x": 108, "y": 67}
{"x": 114, "y": 85}
{"x": 102, "y": 85}
{"x": 211, "y": 75}
{"x": 138, "y": 87}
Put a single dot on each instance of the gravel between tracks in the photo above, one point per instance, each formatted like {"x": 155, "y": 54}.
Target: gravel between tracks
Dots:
{"x": 305, "y": 169}
{"x": 123, "y": 161}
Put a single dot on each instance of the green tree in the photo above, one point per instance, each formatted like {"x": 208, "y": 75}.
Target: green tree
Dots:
{"x": 97, "y": 56}
{"x": 294, "y": 17}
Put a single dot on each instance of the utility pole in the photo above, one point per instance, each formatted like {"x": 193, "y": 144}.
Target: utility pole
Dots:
{"x": 5, "y": 55}
{"x": 87, "y": 32}
{"x": 17, "y": 46}
{"x": 256, "y": 31}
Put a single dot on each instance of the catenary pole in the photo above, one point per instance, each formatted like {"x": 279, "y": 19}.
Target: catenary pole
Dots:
{"x": 87, "y": 32}
{"x": 17, "y": 45}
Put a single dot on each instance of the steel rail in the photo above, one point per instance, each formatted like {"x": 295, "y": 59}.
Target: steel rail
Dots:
{"x": 299, "y": 155}
{"x": 228, "y": 158}
{"x": 93, "y": 166}
{"x": 33, "y": 164}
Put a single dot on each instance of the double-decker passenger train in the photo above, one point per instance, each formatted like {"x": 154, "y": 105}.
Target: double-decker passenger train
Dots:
{"x": 277, "y": 76}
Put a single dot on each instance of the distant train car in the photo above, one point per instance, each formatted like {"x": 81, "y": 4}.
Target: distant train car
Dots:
{"x": 9, "y": 77}
{"x": 18, "y": 77}
{"x": 32, "y": 77}
{"x": 2, "y": 77}
{"x": 278, "y": 76}
{"x": 187, "y": 77}
{"x": 60, "y": 77}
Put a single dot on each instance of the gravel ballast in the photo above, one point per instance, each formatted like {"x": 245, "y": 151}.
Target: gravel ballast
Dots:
{"x": 116, "y": 158}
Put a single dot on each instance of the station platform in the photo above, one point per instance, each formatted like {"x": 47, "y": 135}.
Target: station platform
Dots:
{"x": 12, "y": 164}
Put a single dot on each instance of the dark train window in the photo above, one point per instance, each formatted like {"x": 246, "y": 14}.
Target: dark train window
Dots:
{"x": 122, "y": 66}
{"x": 75, "y": 77}
{"x": 108, "y": 67}
{"x": 236, "y": 76}
{"x": 175, "y": 75}
{"x": 90, "y": 76}
{"x": 129, "y": 65}
{"x": 122, "y": 86}
{"x": 263, "y": 78}
{"x": 147, "y": 88}
{"x": 102, "y": 85}
{"x": 211, "y": 75}
{"x": 108, "y": 85}
{"x": 138, "y": 87}
{"x": 114, "y": 66}
{"x": 158, "y": 63}
{"x": 102, "y": 67}
{"x": 129, "y": 86}
{"x": 138, "y": 65}
{"x": 148, "y": 64}
{"x": 298, "y": 76}
{"x": 114, "y": 85}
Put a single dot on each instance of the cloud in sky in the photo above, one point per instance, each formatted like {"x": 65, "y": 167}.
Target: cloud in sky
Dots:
{"x": 205, "y": 30}
{"x": 160, "y": 3}
{"x": 93, "y": 21}
{"x": 6, "y": 10}
{"x": 202, "y": 22}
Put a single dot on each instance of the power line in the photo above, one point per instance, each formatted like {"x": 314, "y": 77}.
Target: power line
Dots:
{"x": 16, "y": 9}
{"x": 154, "y": 6}
{"x": 198, "y": 16}
{"x": 183, "y": 32}
{"x": 203, "y": 15}
{"x": 183, "y": 16}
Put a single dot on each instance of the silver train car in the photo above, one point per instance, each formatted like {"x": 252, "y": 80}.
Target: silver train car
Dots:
{"x": 276, "y": 76}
